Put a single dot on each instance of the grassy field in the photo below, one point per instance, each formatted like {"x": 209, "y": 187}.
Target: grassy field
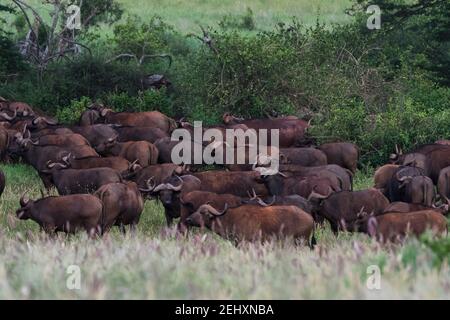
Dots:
{"x": 156, "y": 264}
{"x": 187, "y": 15}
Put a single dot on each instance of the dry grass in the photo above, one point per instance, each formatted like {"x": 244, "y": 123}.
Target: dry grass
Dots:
{"x": 156, "y": 264}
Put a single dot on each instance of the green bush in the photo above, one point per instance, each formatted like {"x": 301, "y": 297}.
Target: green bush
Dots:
{"x": 71, "y": 113}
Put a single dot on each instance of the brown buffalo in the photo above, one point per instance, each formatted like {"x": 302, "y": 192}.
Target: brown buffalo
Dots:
{"x": 72, "y": 181}
{"x": 22, "y": 109}
{"x": 170, "y": 191}
{"x": 122, "y": 203}
{"x": 291, "y": 200}
{"x": 4, "y": 142}
{"x": 89, "y": 117}
{"x": 418, "y": 189}
{"x": 383, "y": 175}
{"x": 191, "y": 201}
{"x": 290, "y": 184}
{"x": 96, "y": 134}
{"x": 67, "y": 214}
{"x": 166, "y": 145}
{"x": 153, "y": 119}
{"x": 7, "y": 117}
{"x": 291, "y": 131}
{"x": 256, "y": 223}
{"x": 344, "y": 154}
{"x": 391, "y": 227}
{"x": 143, "y": 152}
{"x": 443, "y": 185}
{"x": 234, "y": 182}
{"x": 343, "y": 209}
{"x": 117, "y": 163}
{"x": 345, "y": 176}
{"x": 396, "y": 188}
{"x": 70, "y": 140}
{"x": 158, "y": 173}
{"x": 307, "y": 157}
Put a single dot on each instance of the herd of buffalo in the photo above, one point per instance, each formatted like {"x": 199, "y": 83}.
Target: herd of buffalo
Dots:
{"x": 108, "y": 165}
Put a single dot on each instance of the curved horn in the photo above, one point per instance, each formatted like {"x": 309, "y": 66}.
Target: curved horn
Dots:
{"x": 264, "y": 204}
{"x": 160, "y": 187}
{"x": 50, "y": 121}
{"x": 316, "y": 195}
{"x": 35, "y": 143}
{"x": 112, "y": 139}
{"x": 177, "y": 188}
{"x": 150, "y": 185}
{"x": 34, "y": 121}
{"x": 24, "y": 200}
{"x": 404, "y": 178}
{"x": 7, "y": 117}
{"x": 396, "y": 149}
{"x": 209, "y": 208}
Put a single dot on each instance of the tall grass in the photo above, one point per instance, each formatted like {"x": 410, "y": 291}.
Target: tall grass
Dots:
{"x": 186, "y": 15}
{"x": 155, "y": 263}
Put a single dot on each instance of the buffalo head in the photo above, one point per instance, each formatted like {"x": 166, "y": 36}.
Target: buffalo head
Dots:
{"x": 204, "y": 215}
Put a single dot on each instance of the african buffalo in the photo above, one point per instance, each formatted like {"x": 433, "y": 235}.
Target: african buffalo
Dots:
{"x": 143, "y": 152}
{"x": 233, "y": 182}
{"x": 291, "y": 200}
{"x": 123, "y": 205}
{"x": 291, "y": 131}
{"x": 70, "y": 140}
{"x": 443, "y": 185}
{"x": 96, "y": 134}
{"x": 72, "y": 181}
{"x": 22, "y": 109}
{"x": 191, "y": 201}
{"x": 67, "y": 213}
{"x": 170, "y": 191}
{"x": 396, "y": 188}
{"x": 153, "y": 119}
{"x": 4, "y": 142}
{"x": 289, "y": 184}
{"x": 418, "y": 189}
{"x": 89, "y": 117}
{"x": 383, "y": 175}
{"x": 158, "y": 173}
{"x": 391, "y": 227}
{"x": 119, "y": 164}
{"x": 307, "y": 157}
{"x": 344, "y": 175}
{"x": 342, "y": 209}
{"x": 344, "y": 154}
{"x": 256, "y": 223}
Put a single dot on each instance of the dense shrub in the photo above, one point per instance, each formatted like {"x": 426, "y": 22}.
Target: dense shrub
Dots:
{"x": 71, "y": 113}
